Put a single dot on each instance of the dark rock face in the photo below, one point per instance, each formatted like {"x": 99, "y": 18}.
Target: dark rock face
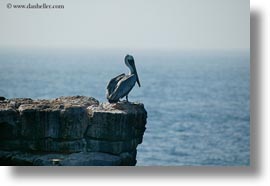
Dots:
{"x": 70, "y": 131}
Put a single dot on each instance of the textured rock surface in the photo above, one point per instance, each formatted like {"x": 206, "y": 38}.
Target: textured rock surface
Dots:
{"x": 70, "y": 130}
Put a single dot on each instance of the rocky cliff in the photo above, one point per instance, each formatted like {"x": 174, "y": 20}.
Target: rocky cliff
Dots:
{"x": 67, "y": 131}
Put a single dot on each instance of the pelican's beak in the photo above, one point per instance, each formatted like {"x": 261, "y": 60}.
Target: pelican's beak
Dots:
{"x": 138, "y": 81}
{"x": 135, "y": 72}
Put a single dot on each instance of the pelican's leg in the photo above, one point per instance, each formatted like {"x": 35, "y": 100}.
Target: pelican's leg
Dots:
{"x": 127, "y": 98}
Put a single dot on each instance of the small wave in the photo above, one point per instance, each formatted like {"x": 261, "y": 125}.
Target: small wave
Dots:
{"x": 176, "y": 152}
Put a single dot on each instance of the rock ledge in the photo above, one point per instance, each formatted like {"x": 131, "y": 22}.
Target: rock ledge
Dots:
{"x": 69, "y": 131}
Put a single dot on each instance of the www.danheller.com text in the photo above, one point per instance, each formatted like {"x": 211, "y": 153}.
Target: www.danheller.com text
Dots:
{"x": 34, "y": 6}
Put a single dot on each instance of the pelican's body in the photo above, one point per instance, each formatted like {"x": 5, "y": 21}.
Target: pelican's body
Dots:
{"x": 121, "y": 85}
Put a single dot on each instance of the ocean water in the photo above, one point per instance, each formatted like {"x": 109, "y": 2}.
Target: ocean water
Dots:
{"x": 197, "y": 103}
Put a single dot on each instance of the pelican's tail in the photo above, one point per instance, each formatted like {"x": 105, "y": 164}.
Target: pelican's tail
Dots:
{"x": 112, "y": 101}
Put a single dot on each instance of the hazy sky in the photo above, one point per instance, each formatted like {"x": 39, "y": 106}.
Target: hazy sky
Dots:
{"x": 137, "y": 24}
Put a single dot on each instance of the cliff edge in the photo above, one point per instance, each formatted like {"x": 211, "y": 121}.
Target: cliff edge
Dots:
{"x": 68, "y": 131}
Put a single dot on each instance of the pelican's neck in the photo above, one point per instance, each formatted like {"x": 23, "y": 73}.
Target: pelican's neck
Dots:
{"x": 131, "y": 70}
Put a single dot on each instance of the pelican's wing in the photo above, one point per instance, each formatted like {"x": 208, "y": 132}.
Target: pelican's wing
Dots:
{"x": 123, "y": 87}
{"x": 112, "y": 84}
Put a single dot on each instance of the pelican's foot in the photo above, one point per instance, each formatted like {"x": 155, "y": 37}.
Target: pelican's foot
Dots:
{"x": 124, "y": 101}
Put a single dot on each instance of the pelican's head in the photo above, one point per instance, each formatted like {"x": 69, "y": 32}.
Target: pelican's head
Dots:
{"x": 129, "y": 61}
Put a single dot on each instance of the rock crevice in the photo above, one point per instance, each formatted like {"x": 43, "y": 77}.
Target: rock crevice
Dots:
{"x": 75, "y": 130}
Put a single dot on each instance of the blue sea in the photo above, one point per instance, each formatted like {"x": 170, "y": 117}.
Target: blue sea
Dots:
{"x": 198, "y": 103}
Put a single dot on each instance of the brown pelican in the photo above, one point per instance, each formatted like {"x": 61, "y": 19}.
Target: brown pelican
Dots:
{"x": 121, "y": 85}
